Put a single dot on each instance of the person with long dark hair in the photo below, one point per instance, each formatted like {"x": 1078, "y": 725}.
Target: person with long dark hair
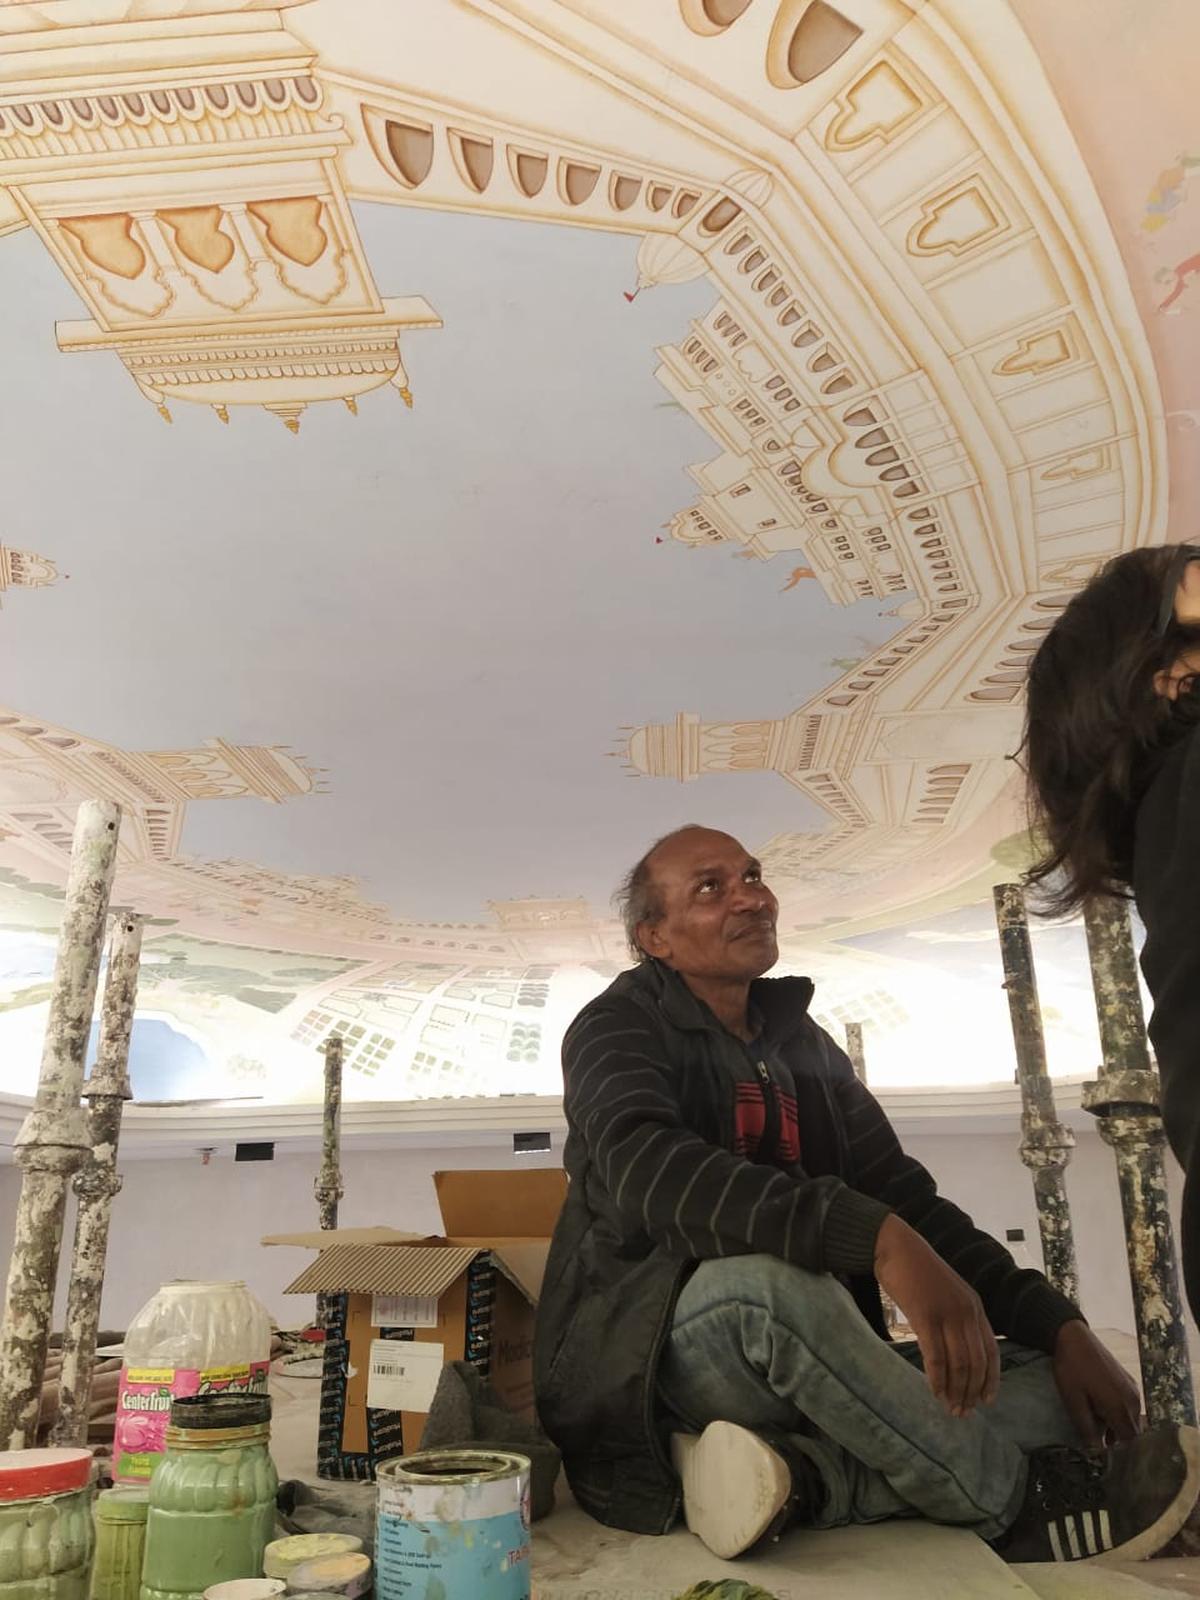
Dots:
{"x": 1112, "y": 756}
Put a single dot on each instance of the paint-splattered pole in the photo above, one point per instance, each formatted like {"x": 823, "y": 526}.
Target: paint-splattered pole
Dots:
{"x": 854, "y": 1049}
{"x": 1125, "y": 1102}
{"x": 1046, "y": 1144}
{"x": 97, "y": 1183}
{"x": 53, "y": 1141}
{"x": 328, "y": 1187}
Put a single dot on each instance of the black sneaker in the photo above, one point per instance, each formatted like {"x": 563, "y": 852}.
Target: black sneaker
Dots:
{"x": 1121, "y": 1504}
{"x": 738, "y": 1490}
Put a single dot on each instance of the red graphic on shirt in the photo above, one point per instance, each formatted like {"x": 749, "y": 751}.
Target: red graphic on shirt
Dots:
{"x": 750, "y": 1124}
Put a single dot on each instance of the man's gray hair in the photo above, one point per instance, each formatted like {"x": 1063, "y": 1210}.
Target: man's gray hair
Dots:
{"x": 639, "y": 899}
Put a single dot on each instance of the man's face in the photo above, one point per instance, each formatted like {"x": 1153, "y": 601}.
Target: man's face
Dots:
{"x": 718, "y": 918}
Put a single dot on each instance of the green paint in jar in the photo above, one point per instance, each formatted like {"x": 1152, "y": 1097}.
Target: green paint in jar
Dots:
{"x": 45, "y": 1524}
{"x": 212, "y": 1497}
{"x": 120, "y": 1543}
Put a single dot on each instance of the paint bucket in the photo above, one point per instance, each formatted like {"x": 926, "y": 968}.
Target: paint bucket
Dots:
{"x": 453, "y": 1523}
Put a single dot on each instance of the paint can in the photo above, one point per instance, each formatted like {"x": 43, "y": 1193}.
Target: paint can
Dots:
{"x": 453, "y": 1525}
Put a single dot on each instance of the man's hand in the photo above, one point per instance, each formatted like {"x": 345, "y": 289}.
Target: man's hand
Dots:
{"x": 957, "y": 1344}
{"x": 1100, "y": 1396}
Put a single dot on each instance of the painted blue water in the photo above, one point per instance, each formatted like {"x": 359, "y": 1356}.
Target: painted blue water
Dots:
{"x": 164, "y": 1064}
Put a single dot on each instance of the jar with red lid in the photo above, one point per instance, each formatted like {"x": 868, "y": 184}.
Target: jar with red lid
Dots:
{"x": 45, "y": 1524}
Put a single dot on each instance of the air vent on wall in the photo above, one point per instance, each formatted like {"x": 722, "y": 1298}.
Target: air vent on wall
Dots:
{"x": 531, "y": 1144}
{"x": 254, "y": 1152}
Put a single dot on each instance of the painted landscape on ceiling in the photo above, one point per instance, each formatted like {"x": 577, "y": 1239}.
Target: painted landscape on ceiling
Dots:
{"x": 441, "y": 459}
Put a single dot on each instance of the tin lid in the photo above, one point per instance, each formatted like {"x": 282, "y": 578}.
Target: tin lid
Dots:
{"x": 331, "y": 1574}
{"x": 207, "y": 1286}
{"x": 220, "y": 1410}
{"x": 127, "y": 1503}
{"x": 245, "y": 1589}
{"x": 32, "y": 1474}
{"x": 452, "y": 1465}
{"x": 283, "y": 1556}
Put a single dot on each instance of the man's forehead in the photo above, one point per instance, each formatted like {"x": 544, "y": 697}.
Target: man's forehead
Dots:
{"x": 695, "y": 850}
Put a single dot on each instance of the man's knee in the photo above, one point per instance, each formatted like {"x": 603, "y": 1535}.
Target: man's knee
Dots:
{"x": 804, "y": 1301}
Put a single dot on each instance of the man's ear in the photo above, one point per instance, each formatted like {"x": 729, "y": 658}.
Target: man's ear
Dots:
{"x": 650, "y": 940}
{"x": 1171, "y": 682}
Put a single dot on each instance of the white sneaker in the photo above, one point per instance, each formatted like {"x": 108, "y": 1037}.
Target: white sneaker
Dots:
{"x": 735, "y": 1486}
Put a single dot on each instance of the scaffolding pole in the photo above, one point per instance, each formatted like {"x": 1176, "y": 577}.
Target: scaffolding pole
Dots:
{"x": 328, "y": 1188}
{"x": 1046, "y": 1144}
{"x": 54, "y": 1141}
{"x": 97, "y": 1182}
{"x": 1125, "y": 1102}
{"x": 854, "y": 1049}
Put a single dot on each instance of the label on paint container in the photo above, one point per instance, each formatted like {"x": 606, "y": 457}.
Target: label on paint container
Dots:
{"x": 453, "y": 1541}
{"x": 144, "y": 1396}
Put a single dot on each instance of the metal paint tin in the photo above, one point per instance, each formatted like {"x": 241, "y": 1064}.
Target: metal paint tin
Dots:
{"x": 453, "y": 1525}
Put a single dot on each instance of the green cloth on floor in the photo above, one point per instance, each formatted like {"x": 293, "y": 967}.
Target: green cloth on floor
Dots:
{"x": 725, "y": 1589}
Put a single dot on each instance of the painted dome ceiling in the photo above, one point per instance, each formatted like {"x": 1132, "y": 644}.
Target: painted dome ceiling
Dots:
{"x": 447, "y": 446}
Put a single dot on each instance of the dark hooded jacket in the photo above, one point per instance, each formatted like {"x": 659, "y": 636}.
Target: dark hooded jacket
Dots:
{"x": 1166, "y": 882}
{"x": 652, "y": 1084}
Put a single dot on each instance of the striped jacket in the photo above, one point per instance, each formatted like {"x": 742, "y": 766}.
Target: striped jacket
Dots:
{"x": 655, "y": 1100}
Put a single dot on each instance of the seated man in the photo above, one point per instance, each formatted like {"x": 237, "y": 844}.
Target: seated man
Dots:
{"x": 710, "y": 1325}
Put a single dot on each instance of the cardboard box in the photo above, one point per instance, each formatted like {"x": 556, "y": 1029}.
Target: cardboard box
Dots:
{"x": 401, "y": 1305}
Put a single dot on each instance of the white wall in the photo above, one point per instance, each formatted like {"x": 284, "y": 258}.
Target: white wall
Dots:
{"x": 177, "y": 1218}
{"x": 983, "y": 1174}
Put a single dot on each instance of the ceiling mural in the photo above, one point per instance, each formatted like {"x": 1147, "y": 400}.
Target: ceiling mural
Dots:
{"x": 562, "y": 419}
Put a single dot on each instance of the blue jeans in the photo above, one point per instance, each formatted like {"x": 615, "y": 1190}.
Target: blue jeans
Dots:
{"x": 774, "y": 1348}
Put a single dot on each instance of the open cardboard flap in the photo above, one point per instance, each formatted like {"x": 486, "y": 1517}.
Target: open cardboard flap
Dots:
{"x": 511, "y": 1213}
{"x": 501, "y": 1205}
{"x": 423, "y": 1271}
{"x": 326, "y": 1238}
{"x": 523, "y": 1263}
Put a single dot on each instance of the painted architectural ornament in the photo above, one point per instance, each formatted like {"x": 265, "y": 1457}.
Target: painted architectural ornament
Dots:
{"x": 923, "y": 371}
{"x": 188, "y": 188}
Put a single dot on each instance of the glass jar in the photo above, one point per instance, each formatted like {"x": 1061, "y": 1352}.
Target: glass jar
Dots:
{"x": 212, "y": 1497}
{"x": 45, "y": 1524}
{"x": 190, "y": 1338}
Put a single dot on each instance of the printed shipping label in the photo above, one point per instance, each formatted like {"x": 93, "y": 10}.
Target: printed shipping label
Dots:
{"x": 404, "y": 1311}
{"x": 403, "y": 1376}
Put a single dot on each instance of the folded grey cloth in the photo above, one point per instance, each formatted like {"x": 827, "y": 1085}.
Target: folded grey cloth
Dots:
{"x": 339, "y": 1508}
{"x": 467, "y": 1413}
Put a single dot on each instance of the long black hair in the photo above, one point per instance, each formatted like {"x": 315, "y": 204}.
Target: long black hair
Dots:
{"x": 1095, "y": 728}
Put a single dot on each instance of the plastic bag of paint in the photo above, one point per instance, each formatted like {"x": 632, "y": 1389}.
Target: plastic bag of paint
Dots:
{"x": 191, "y": 1338}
